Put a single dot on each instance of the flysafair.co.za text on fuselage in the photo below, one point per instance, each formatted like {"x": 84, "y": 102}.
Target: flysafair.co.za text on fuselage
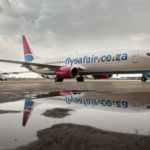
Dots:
{"x": 97, "y": 59}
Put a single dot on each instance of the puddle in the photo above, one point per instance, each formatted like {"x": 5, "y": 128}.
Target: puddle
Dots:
{"x": 125, "y": 113}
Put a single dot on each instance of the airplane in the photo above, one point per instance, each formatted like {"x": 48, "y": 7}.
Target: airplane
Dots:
{"x": 115, "y": 102}
{"x": 108, "y": 62}
{"x": 48, "y": 76}
{"x": 5, "y": 75}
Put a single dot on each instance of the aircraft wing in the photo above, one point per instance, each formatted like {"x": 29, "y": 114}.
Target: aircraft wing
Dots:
{"x": 25, "y": 64}
{"x": 16, "y": 72}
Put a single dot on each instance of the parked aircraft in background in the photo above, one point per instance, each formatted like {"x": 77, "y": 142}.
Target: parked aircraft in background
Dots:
{"x": 5, "y": 75}
{"x": 103, "y": 62}
{"x": 48, "y": 76}
{"x": 102, "y": 76}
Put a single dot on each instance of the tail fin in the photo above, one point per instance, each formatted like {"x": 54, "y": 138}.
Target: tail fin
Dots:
{"x": 28, "y": 107}
{"x": 27, "y": 51}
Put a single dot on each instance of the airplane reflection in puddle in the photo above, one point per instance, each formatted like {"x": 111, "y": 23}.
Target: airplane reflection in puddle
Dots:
{"x": 128, "y": 103}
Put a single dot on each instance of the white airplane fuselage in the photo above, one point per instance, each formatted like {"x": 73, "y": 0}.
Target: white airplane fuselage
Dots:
{"x": 110, "y": 61}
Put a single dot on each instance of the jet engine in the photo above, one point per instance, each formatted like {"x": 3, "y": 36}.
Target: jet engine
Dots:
{"x": 102, "y": 76}
{"x": 66, "y": 72}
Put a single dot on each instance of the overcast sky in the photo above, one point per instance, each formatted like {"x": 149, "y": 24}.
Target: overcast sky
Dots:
{"x": 60, "y": 27}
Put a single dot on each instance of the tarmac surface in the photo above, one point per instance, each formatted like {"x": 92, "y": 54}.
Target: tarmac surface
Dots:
{"x": 96, "y": 114}
{"x": 15, "y": 90}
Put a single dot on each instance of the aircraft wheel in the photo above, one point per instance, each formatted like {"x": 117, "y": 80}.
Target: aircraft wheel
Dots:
{"x": 58, "y": 79}
{"x": 61, "y": 79}
{"x": 143, "y": 79}
{"x": 80, "y": 79}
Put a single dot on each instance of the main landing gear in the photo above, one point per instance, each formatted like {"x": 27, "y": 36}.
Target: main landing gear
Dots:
{"x": 80, "y": 79}
{"x": 143, "y": 78}
{"x": 58, "y": 79}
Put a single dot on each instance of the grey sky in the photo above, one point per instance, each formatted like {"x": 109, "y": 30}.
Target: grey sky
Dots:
{"x": 61, "y": 27}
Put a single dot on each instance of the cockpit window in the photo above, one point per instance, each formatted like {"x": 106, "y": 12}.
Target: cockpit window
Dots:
{"x": 148, "y": 54}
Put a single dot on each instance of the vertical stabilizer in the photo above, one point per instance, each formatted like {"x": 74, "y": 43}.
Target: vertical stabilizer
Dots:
{"x": 27, "y": 51}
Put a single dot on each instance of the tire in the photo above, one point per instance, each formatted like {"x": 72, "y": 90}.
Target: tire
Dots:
{"x": 61, "y": 79}
{"x": 80, "y": 79}
{"x": 143, "y": 79}
{"x": 58, "y": 79}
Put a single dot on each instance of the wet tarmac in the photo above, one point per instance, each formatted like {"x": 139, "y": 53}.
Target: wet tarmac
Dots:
{"x": 91, "y": 115}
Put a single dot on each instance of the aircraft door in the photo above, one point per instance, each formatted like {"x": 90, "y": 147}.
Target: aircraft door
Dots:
{"x": 135, "y": 57}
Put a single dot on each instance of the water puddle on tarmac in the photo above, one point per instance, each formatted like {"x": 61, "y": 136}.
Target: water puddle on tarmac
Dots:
{"x": 124, "y": 113}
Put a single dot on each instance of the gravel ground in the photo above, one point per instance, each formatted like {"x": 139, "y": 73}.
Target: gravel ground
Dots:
{"x": 57, "y": 113}
{"x": 78, "y": 137}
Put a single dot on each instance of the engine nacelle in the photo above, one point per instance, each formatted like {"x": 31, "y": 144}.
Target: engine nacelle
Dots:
{"x": 66, "y": 72}
{"x": 102, "y": 76}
